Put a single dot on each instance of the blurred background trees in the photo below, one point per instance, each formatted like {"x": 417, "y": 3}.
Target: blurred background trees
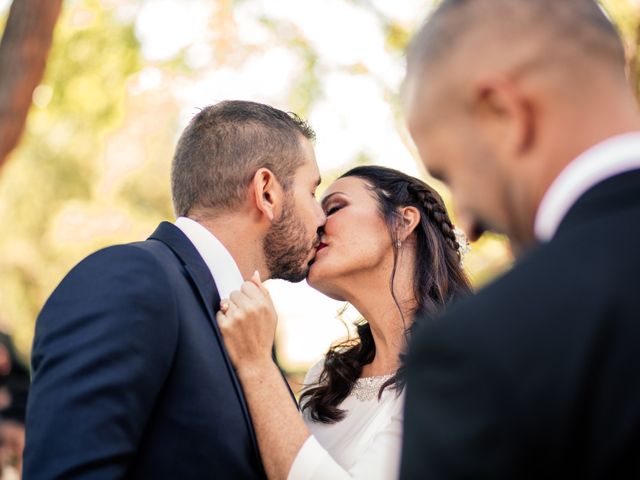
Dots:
{"x": 626, "y": 15}
{"x": 125, "y": 76}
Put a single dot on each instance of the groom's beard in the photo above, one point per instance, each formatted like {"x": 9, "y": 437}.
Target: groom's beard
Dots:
{"x": 287, "y": 246}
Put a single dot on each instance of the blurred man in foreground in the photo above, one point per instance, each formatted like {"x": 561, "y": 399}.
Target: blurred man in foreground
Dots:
{"x": 522, "y": 107}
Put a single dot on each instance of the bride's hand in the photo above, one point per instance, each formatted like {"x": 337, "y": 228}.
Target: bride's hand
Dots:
{"x": 247, "y": 321}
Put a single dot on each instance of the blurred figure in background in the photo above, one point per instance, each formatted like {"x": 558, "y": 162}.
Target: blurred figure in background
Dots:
{"x": 12, "y": 434}
{"x": 14, "y": 374}
{"x": 523, "y": 108}
{"x": 14, "y": 389}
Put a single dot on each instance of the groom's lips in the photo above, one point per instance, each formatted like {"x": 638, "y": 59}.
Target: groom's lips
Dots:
{"x": 315, "y": 249}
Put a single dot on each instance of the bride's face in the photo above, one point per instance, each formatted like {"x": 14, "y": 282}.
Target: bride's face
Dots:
{"x": 356, "y": 245}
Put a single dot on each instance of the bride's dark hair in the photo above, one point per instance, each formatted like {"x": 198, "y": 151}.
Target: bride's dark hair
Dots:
{"x": 438, "y": 278}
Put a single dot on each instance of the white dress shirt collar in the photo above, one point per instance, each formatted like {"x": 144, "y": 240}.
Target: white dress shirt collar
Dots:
{"x": 611, "y": 157}
{"x": 221, "y": 264}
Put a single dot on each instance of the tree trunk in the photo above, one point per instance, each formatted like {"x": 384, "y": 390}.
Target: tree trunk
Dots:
{"x": 23, "y": 55}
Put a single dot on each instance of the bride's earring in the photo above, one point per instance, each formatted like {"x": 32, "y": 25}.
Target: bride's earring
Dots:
{"x": 398, "y": 243}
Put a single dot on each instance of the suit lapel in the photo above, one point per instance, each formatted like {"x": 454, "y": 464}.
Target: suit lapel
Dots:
{"x": 173, "y": 237}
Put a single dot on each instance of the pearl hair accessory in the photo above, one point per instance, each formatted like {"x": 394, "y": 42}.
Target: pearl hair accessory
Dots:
{"x": 463, "y": 243}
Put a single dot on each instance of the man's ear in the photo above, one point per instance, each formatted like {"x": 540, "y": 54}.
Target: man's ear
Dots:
{"x": 267, "y": 193}
{"x": 506, "y": 116}
{"x": 409, "y": 220}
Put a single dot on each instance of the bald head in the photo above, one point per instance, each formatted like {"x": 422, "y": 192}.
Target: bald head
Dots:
{"x": 501, "y": 95}
{"x": 517, "y": 34}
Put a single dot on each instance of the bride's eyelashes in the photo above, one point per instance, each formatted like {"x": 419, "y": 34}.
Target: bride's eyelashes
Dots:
{"x": 333, "y": 209}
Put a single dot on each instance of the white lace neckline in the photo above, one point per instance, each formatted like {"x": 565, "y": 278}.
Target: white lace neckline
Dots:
{"x": 367, "y": 388}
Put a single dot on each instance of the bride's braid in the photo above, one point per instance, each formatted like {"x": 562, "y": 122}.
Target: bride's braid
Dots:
{"x": 434, "y": 208}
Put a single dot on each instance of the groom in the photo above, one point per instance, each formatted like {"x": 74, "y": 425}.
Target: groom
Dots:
{"x": 538, "y": 375}
{"x": 130, "y": 378}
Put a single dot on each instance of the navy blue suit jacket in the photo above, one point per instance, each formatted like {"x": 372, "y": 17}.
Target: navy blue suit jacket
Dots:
{"x": 130, "y": 376}
{"x": 536, "y": 376}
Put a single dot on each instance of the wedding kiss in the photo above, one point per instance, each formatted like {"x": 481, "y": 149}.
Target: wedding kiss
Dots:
{"x": 154, "y": 359}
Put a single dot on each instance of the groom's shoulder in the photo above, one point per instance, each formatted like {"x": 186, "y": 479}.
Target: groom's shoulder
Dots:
{"x": 151, "y": 252}
{"x": 141, "y": 259}
{"x": 126, "y": 274}
{"x": 134, "y": 254}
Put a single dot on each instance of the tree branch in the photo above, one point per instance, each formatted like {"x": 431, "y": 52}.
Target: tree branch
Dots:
{"x": 23, "y": 55}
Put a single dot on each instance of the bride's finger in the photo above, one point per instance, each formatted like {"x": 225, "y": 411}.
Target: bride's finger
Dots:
{"x": 255, "y": 278}
{"x": 252, "y": 291}
{"x": 237, "y": 299}
{"x": 221, "y": 318}
{"x": 227, "y": 303}
{"x": 224, "y": 305}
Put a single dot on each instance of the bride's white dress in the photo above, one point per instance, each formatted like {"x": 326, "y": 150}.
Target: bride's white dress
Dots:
{"x": 365, "y": 444}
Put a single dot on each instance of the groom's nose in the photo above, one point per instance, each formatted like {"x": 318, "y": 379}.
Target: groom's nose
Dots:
{"x": 321, "y": 218}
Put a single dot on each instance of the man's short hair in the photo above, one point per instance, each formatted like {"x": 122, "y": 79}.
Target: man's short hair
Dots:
{"x": 225, "y": 144}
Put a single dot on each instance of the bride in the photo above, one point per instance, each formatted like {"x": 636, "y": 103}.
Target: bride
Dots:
{"x": 389, "y": 249}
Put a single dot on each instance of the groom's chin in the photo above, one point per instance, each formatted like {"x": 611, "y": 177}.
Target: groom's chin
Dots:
{"x": 297, "y": 278}
{"x": 297, "y": 275}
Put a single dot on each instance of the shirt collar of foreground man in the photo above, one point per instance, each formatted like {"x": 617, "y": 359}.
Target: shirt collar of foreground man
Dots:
{"x": 607, "y": 159}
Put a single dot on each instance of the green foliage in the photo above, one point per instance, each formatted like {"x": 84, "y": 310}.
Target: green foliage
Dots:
{"x": 626, "y": 15}
{"x": 81, "y": 100}
{"x": 397, "y": 36}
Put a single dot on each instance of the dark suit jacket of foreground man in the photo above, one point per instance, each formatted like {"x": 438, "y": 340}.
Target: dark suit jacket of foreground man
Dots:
{"x": 538, "y": 375}
{"x": 130, "y": 379}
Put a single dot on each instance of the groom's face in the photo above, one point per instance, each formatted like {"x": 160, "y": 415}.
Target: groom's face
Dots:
{"x": 290, "y": 245}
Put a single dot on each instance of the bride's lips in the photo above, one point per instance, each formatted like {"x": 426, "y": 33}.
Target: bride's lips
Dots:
{"x": 315, "y": 251}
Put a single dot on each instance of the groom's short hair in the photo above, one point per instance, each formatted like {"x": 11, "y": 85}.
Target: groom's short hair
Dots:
{"x": 225, "y": 144}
